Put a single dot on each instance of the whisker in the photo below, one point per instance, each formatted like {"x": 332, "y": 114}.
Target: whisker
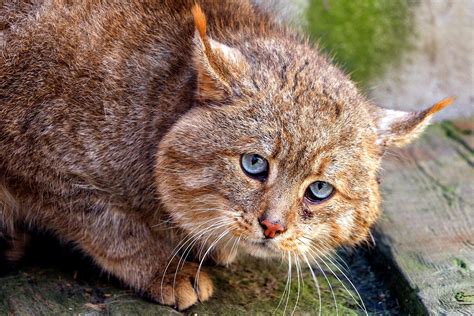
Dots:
{"x": 196, "y": 278}
{"x": 197, "y": 237}
{"x": 342, "y": 283}
{"x": 329, "y": 283}
{"x": 332, "y": 252}
{"x": 284, "y": 291}
{"x": 289, "y": 277}
{"x": 336, "y": 262}
{"x": 372, "y": 239}
{"x": 205, "y": 241}
{"x": 316, "y": 283}
{"x": 343, "y": 262}
{"x": 298, "y": 273}
{"x": 189, "y": 248}
{"x": 235, "y": 246}
{"x": 175, "y": 252}
{"x": 189, "y": 237}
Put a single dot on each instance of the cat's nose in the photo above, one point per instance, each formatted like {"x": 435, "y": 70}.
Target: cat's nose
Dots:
{"x": 271, "y": 228}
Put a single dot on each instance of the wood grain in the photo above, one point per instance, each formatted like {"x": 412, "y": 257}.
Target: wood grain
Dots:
{"x": 428, "y": 223}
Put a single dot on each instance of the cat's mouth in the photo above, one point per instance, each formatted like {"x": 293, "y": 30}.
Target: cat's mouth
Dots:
{"x": 263, "y": 242}
{"x": 261, "y": 248}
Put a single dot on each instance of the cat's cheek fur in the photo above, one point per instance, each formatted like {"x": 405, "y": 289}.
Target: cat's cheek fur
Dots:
{"x": 346, "y": 223}
{"x": 365, "y": 216}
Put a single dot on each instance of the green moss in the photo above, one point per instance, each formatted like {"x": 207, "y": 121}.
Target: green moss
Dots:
{"x": 50, "y": 292}
{"x": 252, "y": 287}
{"x": 460, "y": 263}
{"x": 457, "y": 134}
{"x": 464, "y": 298}
{"x": 243, "y": 291}
{"x": 363, "y": 36}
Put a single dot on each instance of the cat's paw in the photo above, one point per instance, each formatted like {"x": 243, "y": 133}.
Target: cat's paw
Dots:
{"x": 182, "y": 290}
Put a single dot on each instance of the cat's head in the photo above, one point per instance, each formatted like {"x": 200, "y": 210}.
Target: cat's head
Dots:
{"x": 281, "y": 151}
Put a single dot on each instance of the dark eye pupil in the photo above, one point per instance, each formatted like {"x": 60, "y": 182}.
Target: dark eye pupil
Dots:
{"x": 255, "y": 160}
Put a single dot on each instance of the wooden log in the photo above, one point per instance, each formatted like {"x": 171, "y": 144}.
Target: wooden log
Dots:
{"x": 251, "y": 287}
{"x": 427, "y": 228}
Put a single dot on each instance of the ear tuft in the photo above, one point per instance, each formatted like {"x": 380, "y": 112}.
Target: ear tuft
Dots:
{"x": 398, "y": 128}
{"x": 219, "y": 67}
{"x": 199, "y": 21}
{"x": 440, "y": 105}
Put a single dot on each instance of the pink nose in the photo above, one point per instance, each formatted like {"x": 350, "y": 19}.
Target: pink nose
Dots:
{"x": 271, "y": 229}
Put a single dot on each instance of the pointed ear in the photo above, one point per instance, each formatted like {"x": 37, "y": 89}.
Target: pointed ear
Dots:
{"x": 219, "y": 67}
{"x": 398, "y": 128}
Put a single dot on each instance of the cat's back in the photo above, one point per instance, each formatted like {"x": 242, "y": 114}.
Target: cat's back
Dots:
{"x": 87, "y": 88}
{"x": 91, "y": 52}
{"x": 82, "y": 49}
{"x": 76, "y": 105}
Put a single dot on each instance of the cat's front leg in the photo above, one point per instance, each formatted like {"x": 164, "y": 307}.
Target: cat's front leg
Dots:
{"x": 127, "y": 248}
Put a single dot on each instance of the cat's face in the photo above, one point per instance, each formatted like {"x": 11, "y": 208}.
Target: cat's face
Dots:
{"x": 280, "y": 172}
{"x": 280, "y": 154}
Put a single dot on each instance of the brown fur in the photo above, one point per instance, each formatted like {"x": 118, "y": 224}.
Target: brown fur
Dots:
{"x": 122, "y": 125}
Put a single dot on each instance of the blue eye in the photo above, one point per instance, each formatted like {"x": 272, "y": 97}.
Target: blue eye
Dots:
{"x": 319, "y": 191}
{"x": 254, "y": 166}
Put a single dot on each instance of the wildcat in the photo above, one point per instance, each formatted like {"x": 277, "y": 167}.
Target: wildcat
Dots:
{"x": 142, "y": 131}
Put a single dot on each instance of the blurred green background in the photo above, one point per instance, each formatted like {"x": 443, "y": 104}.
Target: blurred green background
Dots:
{"x": 362, "y": 36}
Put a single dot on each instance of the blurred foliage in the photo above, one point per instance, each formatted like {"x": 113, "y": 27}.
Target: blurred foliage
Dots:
{"x": 362, "y": 36}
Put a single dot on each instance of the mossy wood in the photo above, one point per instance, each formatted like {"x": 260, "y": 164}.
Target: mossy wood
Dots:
{"x": 428, "y": 224}
{"x": 252, "y": 287}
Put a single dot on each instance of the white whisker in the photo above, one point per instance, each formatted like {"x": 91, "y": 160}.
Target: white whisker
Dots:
{"x": 284, "y": 291}
{"x": 361, "y": 304}
{"x": 298, "y": 273}
{"x": 316, "y": 283}
{"x": 196, "y": 279}
{"x": 327, "y": 280}
{"x": 188, "y": 238}
{"x": 289, "y": 278}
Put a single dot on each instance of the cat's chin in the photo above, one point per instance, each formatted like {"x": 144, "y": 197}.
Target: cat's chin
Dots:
{"x": 260, "y": 249}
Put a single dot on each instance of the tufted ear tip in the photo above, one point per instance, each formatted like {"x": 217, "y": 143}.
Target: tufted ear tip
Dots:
{"x": 199, "y": 21}
{"x": 219, "y": 67}
{"x": 441, "y": 105}
{"x": 398, "y": 128}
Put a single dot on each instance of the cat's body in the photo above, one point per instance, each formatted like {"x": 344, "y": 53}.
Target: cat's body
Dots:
{"x": 102, "y": 78}
{"x": 122, "y": 125}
